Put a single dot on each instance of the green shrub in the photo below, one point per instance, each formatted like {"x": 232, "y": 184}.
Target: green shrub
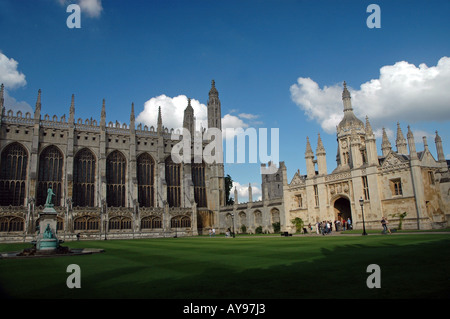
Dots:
{"x": 276, "y": 227}
{"x": 298, "y": 222}
{"x": 258, "y": 230}
{"x": 243, "y": 229}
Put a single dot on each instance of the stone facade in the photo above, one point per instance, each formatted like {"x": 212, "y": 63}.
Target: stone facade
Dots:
{"x": 390, "y": 184}
{"x": 110, "y": 179}
{"x": 249, "y": 216}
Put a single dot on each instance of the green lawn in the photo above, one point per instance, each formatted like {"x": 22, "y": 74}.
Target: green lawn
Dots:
{"x": 412, "y": 266}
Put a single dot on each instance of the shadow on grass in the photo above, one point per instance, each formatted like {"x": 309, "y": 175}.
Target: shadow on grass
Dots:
{"x": 418, "y": 270}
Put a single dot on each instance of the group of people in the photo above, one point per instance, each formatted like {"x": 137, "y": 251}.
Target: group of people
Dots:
{"x": 212, "y": 232}
{"x": 326, "y": 227}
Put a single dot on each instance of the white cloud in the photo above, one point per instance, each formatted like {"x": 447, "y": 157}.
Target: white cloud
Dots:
{"x": 172, "y": 113}
{"x": 248, "y": 116}
{"x": 12, "y": 78}
{"x": 92, "y": 7}
{"x": 12, "y": 104}
{"x": 402, "y": 91}
{"x": 243, "y": 192}
{"x": 9, "y": 75}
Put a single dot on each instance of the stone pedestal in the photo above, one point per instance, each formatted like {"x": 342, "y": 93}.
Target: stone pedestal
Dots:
{"x": 47, "y": 240}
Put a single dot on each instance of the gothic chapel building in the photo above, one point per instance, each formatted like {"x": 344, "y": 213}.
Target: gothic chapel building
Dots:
{"x": 111, "y": 180}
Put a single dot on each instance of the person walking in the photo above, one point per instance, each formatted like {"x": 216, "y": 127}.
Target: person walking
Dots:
{"x": 349, "y": 223}
{"x": 384, "y": 223}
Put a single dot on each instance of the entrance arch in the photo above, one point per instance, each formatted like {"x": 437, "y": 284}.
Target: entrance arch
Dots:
{"x": 342, "y": 209}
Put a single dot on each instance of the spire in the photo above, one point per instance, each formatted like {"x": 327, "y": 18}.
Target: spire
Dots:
{"x": 72, "y": 107}
{"x": 159, "y": 120}
{"x": 213, "y": 90}
{"x": 188, "y": 120}
{"x": 401, "y": 141}
{"x": 385, "y": 144}
{"x": 412, "y": 144}
{"x": 320, "y": 150}
{"x": 425, "y": 143}
{"x": 308, "y": 152}
{"x": 369, "y": 130}
{"x": 214, "y": 108}
{"x": 439, "y": 148}
{"x": 349, "y": 120}
{"x": 38, "y": 102}
{"x": 132, "y": 118}
{"x": 103, "y": 115}
{"x": 346, "y": 99}
{"x": 37, "y": 110}
{"x": 250, "y": 196}
{"x": 2, "y": 101}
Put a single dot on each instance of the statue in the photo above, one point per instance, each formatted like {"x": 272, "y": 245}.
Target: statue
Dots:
{"x": 48, "y": 202}
{"x": 48, "y": 232}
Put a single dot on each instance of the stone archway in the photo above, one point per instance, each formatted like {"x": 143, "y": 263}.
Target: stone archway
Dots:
{"x": 342, "y": 209}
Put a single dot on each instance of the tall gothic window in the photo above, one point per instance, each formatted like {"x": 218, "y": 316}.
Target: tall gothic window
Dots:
{"x": 316, "y": 195}
{"x": 50, "y": 175}
{"x": 173, "y": 183}
{"x": 115, "y": 179}
{"x": 13, "y": 175}
{"x": 146, "y": 177}
{"x": 198, "y": 179}
{"x": 84, "y": 179}
{"x": 365, "y": 188}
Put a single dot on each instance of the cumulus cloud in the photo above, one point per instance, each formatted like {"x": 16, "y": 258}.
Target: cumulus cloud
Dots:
{"x": 243, "y": 192}
{"x": 93, "y": 8}
{"x": 402, "y": 91}
{"x": 12, "y": 104}
{"x": 10, "y": 76}
{"x": 172, "y": 113}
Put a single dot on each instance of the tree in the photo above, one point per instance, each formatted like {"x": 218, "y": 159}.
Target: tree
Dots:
{"x": 401, "y": 217}
{"x": 298, "y": 222}
{"x": 228, "y": 186}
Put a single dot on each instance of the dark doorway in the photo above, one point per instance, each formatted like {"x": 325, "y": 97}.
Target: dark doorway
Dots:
{"x": 342, "y": 209}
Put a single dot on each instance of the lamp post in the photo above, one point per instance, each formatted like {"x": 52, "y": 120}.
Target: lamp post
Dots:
{"x": 232, "y": 218}
{"x": 361, "y": 202}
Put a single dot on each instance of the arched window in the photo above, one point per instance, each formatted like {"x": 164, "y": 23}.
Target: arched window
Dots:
{"x": 85, "y": 223}
{"x": 84, "y": 178}
{"x": 173, "y": 183}
{"x": 13, "y": 175}
{"x": 151, "y": 223}
{"x": 146, "y": 177}
{"x": 180, "y": 221}
{"x": 258, "y": 218}
{"x": 115, "y": 179}
{"x": 198, "y": 179}
{"x": 275, "y": 214}
{"x": 50, "y": 175}
{"x": 11, "y": 224}
{"x": 119, "y": 222}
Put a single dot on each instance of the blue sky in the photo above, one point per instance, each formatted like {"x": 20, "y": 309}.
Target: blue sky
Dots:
{"x": 269, "y": 60}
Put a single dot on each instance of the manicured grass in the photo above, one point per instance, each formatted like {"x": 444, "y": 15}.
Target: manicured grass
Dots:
{"x": 412, "y": 266}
